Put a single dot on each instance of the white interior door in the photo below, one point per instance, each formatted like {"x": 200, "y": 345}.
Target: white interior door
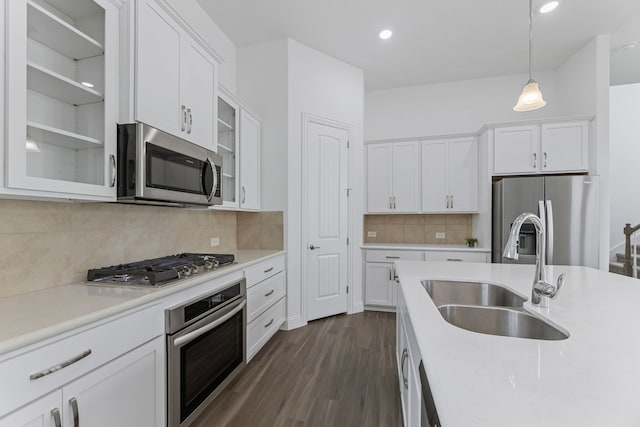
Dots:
{"x": 327, "y": 214}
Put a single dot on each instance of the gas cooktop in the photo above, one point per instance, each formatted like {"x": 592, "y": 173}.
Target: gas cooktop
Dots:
{"x": 159, "y": 271}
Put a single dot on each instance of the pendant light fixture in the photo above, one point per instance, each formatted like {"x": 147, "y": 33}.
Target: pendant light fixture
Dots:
{"x": 531, "y": 97}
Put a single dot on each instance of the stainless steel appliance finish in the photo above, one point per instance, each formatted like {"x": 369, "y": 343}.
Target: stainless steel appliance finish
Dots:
{"x": 502, "y": 321}
{"x": 429, "y": 414}
{"x": 160, "y": 169}
{"x": 159, "y": 272}
{"x": 206, "y": 349}
{"x": 568, "y": 208}
{"x": 444, "y": 292}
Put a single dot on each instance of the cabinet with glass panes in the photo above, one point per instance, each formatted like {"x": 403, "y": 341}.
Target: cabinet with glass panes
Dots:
{"x": 62, "y": 88}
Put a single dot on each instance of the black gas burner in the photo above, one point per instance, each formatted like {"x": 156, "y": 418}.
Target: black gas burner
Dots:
{"x": 160, "y": 271}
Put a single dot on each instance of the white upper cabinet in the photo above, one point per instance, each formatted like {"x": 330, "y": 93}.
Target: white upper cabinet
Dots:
{"x": 62, "y": 98}
{"x": 516, "y": 149}
{"x": 239, "y": 146}
{"x": 547, "y": 148}
{"x": 450, "y": 175}
{"x": 393, "y": 177}
{"x": 249, "y": 161}
{"x": 565, "y": 147}
{"x": 175, "y": 79}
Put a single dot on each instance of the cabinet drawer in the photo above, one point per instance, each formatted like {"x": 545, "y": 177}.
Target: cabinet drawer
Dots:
{"x": 391, "y": 256}
{"x": 456, "y": 256}
{"x": 264, "y": 294}
{"x": 105, "y": 341}
{"x": 263, "y": 327}
{"x": 264, "y": 270}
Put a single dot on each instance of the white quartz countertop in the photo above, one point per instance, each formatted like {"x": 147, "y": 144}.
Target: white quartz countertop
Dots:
{"x": 422, "y": 247}
{"x": 35, "y": 316}
{"x": 590, "y": 379}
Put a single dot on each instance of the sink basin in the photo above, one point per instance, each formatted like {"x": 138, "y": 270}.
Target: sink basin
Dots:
{"x": 444, "y": 292}
{"x": 506, "y": 322}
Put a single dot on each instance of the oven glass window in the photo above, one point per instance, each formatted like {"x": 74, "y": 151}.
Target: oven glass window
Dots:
{"x": 207, "y": 361}
{"x": 169, "y": 170}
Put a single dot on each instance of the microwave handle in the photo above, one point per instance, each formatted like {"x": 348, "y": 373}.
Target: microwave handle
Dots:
{"x": 214, "y": 187}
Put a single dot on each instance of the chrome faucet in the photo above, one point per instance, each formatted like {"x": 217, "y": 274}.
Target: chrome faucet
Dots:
{"x": 542, "y": 290}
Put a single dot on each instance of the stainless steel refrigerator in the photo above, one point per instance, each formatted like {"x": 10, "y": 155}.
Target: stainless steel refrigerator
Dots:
{"x": 567, "y": 204}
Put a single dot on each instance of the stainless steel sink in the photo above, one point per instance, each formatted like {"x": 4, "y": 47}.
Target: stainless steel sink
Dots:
{"x": 507, "y": 322}
{"x": 444, "y": 292}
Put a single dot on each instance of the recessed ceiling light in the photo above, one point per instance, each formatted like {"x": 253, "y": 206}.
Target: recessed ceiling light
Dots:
{"x": 548, "y": 6}
{"x": 385, "y": 34}
{"x": 87, "y": 84}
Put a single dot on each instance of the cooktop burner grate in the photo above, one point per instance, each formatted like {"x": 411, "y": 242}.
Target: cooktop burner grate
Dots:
{"x": 153, "y": 272}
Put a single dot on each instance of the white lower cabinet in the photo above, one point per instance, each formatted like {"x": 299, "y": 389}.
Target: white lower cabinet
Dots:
{"x": 457, "y": 256}
{"x": 380, "y": 286}
{"x": 408, "y": 358}
{"x": 101, "y": 376}
{"x": 266, "y": 291}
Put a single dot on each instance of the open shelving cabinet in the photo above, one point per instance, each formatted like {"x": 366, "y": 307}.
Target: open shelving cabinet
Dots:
{"x": 62, "y": 77}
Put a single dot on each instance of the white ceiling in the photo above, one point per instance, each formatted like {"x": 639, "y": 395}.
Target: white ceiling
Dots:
{"x": 436, "y": 41}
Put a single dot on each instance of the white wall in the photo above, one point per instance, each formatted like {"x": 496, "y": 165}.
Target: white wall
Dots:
{"x": 583, "y": 80}
{"x": 263, "y": 87}
{"x": 452, "y": 108}
{"x": 281, "y": 80}
{"x": 322, "y": 85}
{"x": 624, "y": 157}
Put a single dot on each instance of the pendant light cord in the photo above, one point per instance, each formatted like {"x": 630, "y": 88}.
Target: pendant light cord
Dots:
{"x": 530, "y": 38}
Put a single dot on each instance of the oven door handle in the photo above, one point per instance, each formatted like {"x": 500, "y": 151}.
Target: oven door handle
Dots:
{"x": 195, "y": 334}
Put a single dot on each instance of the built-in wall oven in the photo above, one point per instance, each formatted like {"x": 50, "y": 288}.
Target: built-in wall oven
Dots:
{"x": 205, "y": 350}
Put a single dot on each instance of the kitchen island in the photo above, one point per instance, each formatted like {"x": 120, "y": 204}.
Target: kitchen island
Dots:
{"x": 589, "y": 379}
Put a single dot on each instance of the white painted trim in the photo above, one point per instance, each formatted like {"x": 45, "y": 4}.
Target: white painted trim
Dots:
{"x": 358, "y": 307}
{"x": 191, "y": 31}
{"x": 293, "y": 322}
{"x": 308, "y": 118}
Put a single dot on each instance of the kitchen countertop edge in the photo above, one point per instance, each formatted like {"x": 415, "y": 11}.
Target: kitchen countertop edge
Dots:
{"x": 422, "y": 247}
{"x": 245, "y": 258}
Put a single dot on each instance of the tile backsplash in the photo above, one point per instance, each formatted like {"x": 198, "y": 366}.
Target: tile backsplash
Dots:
{"x": 47, "y": 244}
{"x": 417, "y": 229}
{"x": 261, "y": 230}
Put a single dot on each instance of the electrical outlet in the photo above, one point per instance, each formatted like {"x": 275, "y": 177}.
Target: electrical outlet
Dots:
{"x": 215, "y": 241}
{"x": 371, "y": 234}
{"x": 440, "y": 235}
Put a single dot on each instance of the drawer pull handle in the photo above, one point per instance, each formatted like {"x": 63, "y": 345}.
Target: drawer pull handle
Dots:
{"x": 74, "y": 409}
{"x": 268, "y": 270}
{"x": 55, "y": 413}
{"x": 392, "y": 257}
{"x": 269, "y": 293}
{"x": 454, "y": 259}
{"x": 59, "y": 366}
{"x": 269, "y": 324}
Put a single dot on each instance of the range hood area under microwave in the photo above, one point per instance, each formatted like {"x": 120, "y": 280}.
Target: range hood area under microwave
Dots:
{"x": 156, "y": 168}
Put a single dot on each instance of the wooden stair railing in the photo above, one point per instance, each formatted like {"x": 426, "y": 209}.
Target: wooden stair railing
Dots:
{"x": 628, "y": 231}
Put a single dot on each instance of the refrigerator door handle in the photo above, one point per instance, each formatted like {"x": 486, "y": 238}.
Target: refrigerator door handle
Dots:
{"x": 542, "y": 213}
{"x": 549, "y": 232}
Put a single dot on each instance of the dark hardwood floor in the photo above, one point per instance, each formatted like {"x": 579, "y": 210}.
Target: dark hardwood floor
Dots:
{"x": 338, "y": 371}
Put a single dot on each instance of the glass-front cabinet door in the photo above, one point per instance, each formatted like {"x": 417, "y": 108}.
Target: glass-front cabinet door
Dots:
{"x": 62, "y": 88}
{"x": 228, "y": 121}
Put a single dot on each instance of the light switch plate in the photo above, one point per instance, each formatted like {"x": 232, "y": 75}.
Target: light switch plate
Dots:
{"x": 440, "y": 236}
{"x": 371, "y": 234}
{"x": 215, "y": 241}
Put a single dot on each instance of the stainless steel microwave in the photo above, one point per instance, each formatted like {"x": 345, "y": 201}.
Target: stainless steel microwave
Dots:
{"x": 160, "y": 169}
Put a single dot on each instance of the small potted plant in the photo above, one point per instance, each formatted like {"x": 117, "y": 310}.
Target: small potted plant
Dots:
{"x": 472, "y": 242}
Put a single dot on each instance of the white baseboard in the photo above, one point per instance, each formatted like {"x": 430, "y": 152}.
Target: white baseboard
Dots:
{"x": 358, "y": 307}
{"x": 294, "y": 322}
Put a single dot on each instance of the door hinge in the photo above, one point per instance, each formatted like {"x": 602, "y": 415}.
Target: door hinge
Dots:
{"x": 348, "y": 142}
{"x": 347, "y": 289}
{"x": 348, "y": 192}
{"x": 347, "y": 241}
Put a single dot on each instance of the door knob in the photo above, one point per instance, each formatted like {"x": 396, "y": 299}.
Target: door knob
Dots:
{"x": 313, "y": 247}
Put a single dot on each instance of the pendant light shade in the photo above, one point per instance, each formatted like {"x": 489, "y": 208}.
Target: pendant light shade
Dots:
{"x": 531, "y": 97}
